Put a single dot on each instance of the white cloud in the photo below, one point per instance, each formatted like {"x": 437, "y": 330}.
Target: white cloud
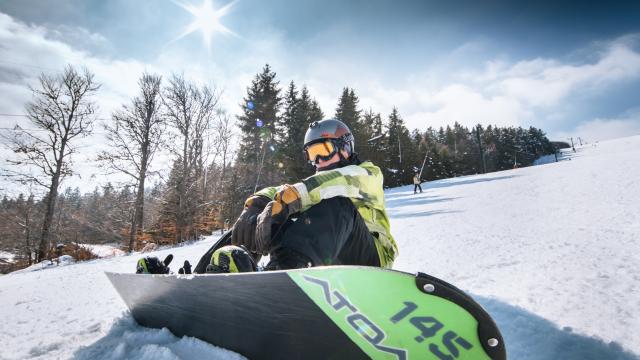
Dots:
{"x": 514, "y": 94}
{"x": 604, "y": 129}
{"x": 545, "y": 83}
{"x": 462, "y": 104}
{"x": 27, "y": 51}
{"x": 501, "y": 92}
{"x": 80, "y": 37}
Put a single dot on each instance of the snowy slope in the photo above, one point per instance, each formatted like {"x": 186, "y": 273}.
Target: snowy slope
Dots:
{"x": 561, "y": 241}
{"x": 53, "y": 313}
{"x": 551, "y": 251}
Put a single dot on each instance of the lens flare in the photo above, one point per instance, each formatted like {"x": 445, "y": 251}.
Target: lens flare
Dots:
{"x": 206, "y": 19}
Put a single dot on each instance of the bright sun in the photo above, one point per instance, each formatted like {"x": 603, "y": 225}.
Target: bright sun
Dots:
{"x": 206, "y": 19}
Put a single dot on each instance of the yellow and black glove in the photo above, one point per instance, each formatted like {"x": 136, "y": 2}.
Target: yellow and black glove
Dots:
{"x": 153, "y": 265}
{"x": 244, "y": 229}
{"x": 286, "y": 203}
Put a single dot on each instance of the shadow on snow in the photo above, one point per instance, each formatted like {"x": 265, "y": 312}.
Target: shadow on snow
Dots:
{"x": 454, "y": 182}
{"x": 530, "y": 337}
{"x": 405, "y": 192}
{"x": 408, "y": 215}
{"x": 414, "y": 200}
{"x": 527, "y": 337}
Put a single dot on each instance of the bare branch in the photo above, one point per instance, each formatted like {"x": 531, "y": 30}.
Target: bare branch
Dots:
{"x": 135, "y": 135}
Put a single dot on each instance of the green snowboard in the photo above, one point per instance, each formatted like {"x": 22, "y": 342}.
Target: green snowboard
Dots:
{"x": 340, "y": 312}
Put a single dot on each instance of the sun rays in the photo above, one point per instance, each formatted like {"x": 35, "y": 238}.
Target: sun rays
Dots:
{"x": 206, "y": 19}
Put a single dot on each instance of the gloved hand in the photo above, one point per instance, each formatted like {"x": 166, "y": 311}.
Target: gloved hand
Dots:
{"x": 286, "y": 203}
{"x": 244, "y": 230}
{"x": 153, "y": 265}
{"x": 186, "y": 268}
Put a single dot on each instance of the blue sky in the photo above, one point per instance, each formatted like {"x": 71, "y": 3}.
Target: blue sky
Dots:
{"x": 570, "y": 68}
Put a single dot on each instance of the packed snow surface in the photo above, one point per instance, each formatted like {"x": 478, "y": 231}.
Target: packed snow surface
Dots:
{"x": 551, "y": 251}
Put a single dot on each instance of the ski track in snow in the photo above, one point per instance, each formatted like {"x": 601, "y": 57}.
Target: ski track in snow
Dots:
{"x": 551, "y": 252}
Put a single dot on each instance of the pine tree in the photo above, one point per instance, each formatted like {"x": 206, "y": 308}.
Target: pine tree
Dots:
{"x": 398, "y": 162}
{"x": 306, "y": 111}
{"x": 167, "y": 224}
{"x": 371, "y": 146}
{"x": 315, "y": 113}
{"x": 287, "y": 126}
{"x": 291, "y": 102}
{"x": 260, "y": 112}
{"x": 347, "y": 110}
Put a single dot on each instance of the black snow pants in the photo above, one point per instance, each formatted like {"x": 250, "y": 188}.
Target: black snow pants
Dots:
{"x": 329, "y": 233}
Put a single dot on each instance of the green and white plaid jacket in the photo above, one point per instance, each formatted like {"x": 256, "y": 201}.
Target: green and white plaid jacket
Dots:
{"x": 363, "y": 185}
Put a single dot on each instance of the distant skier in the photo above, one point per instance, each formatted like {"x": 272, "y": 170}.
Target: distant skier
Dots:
{"x": 416, "y": 183}
{"x": 335, "y": 217}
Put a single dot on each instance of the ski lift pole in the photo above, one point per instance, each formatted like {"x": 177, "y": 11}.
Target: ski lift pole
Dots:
{"x": 423, "y": 163}
{"x": 399, "y": 147}
{"x": 264, "y": 147}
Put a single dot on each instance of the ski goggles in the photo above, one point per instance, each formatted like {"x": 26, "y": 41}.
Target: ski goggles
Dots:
{"x": 324, "y": 150}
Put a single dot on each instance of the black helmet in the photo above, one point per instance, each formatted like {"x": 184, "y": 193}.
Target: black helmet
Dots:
{"x": 330, "y": 129}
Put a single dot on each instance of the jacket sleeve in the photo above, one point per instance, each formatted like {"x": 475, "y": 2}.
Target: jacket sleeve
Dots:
{"x": 361, "y": 183}
{"x": 269, "y": 192}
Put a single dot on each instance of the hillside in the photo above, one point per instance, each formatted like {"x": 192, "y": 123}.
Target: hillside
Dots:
{"x": 554, "y": 245}
{"x": 551, "y": 251}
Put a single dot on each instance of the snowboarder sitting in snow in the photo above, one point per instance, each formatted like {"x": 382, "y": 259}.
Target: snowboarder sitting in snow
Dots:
{"x": 335, "y": 217}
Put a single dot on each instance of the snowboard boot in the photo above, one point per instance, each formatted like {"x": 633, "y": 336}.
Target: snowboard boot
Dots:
{"x": 186, "y": 268}
{"x": 231, "y": 259}
{"x": 153, "y": 265}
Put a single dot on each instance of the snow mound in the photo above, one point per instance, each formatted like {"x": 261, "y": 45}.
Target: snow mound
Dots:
{"x": 63, "y": 260}
{"x": 7, "y": 257}
{"x": 103, "y": 251}
{"x": 127, "y": 340}
{"x": 531, "y": 337}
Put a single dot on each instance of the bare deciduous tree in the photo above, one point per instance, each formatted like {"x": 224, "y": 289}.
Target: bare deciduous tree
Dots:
{"x": 134, "y": 137}
{"x": 223, "y": 135}
{"x": 61, "y": 111}
{"x": 190, "y": 111}
{"x": 18, "y": 217}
